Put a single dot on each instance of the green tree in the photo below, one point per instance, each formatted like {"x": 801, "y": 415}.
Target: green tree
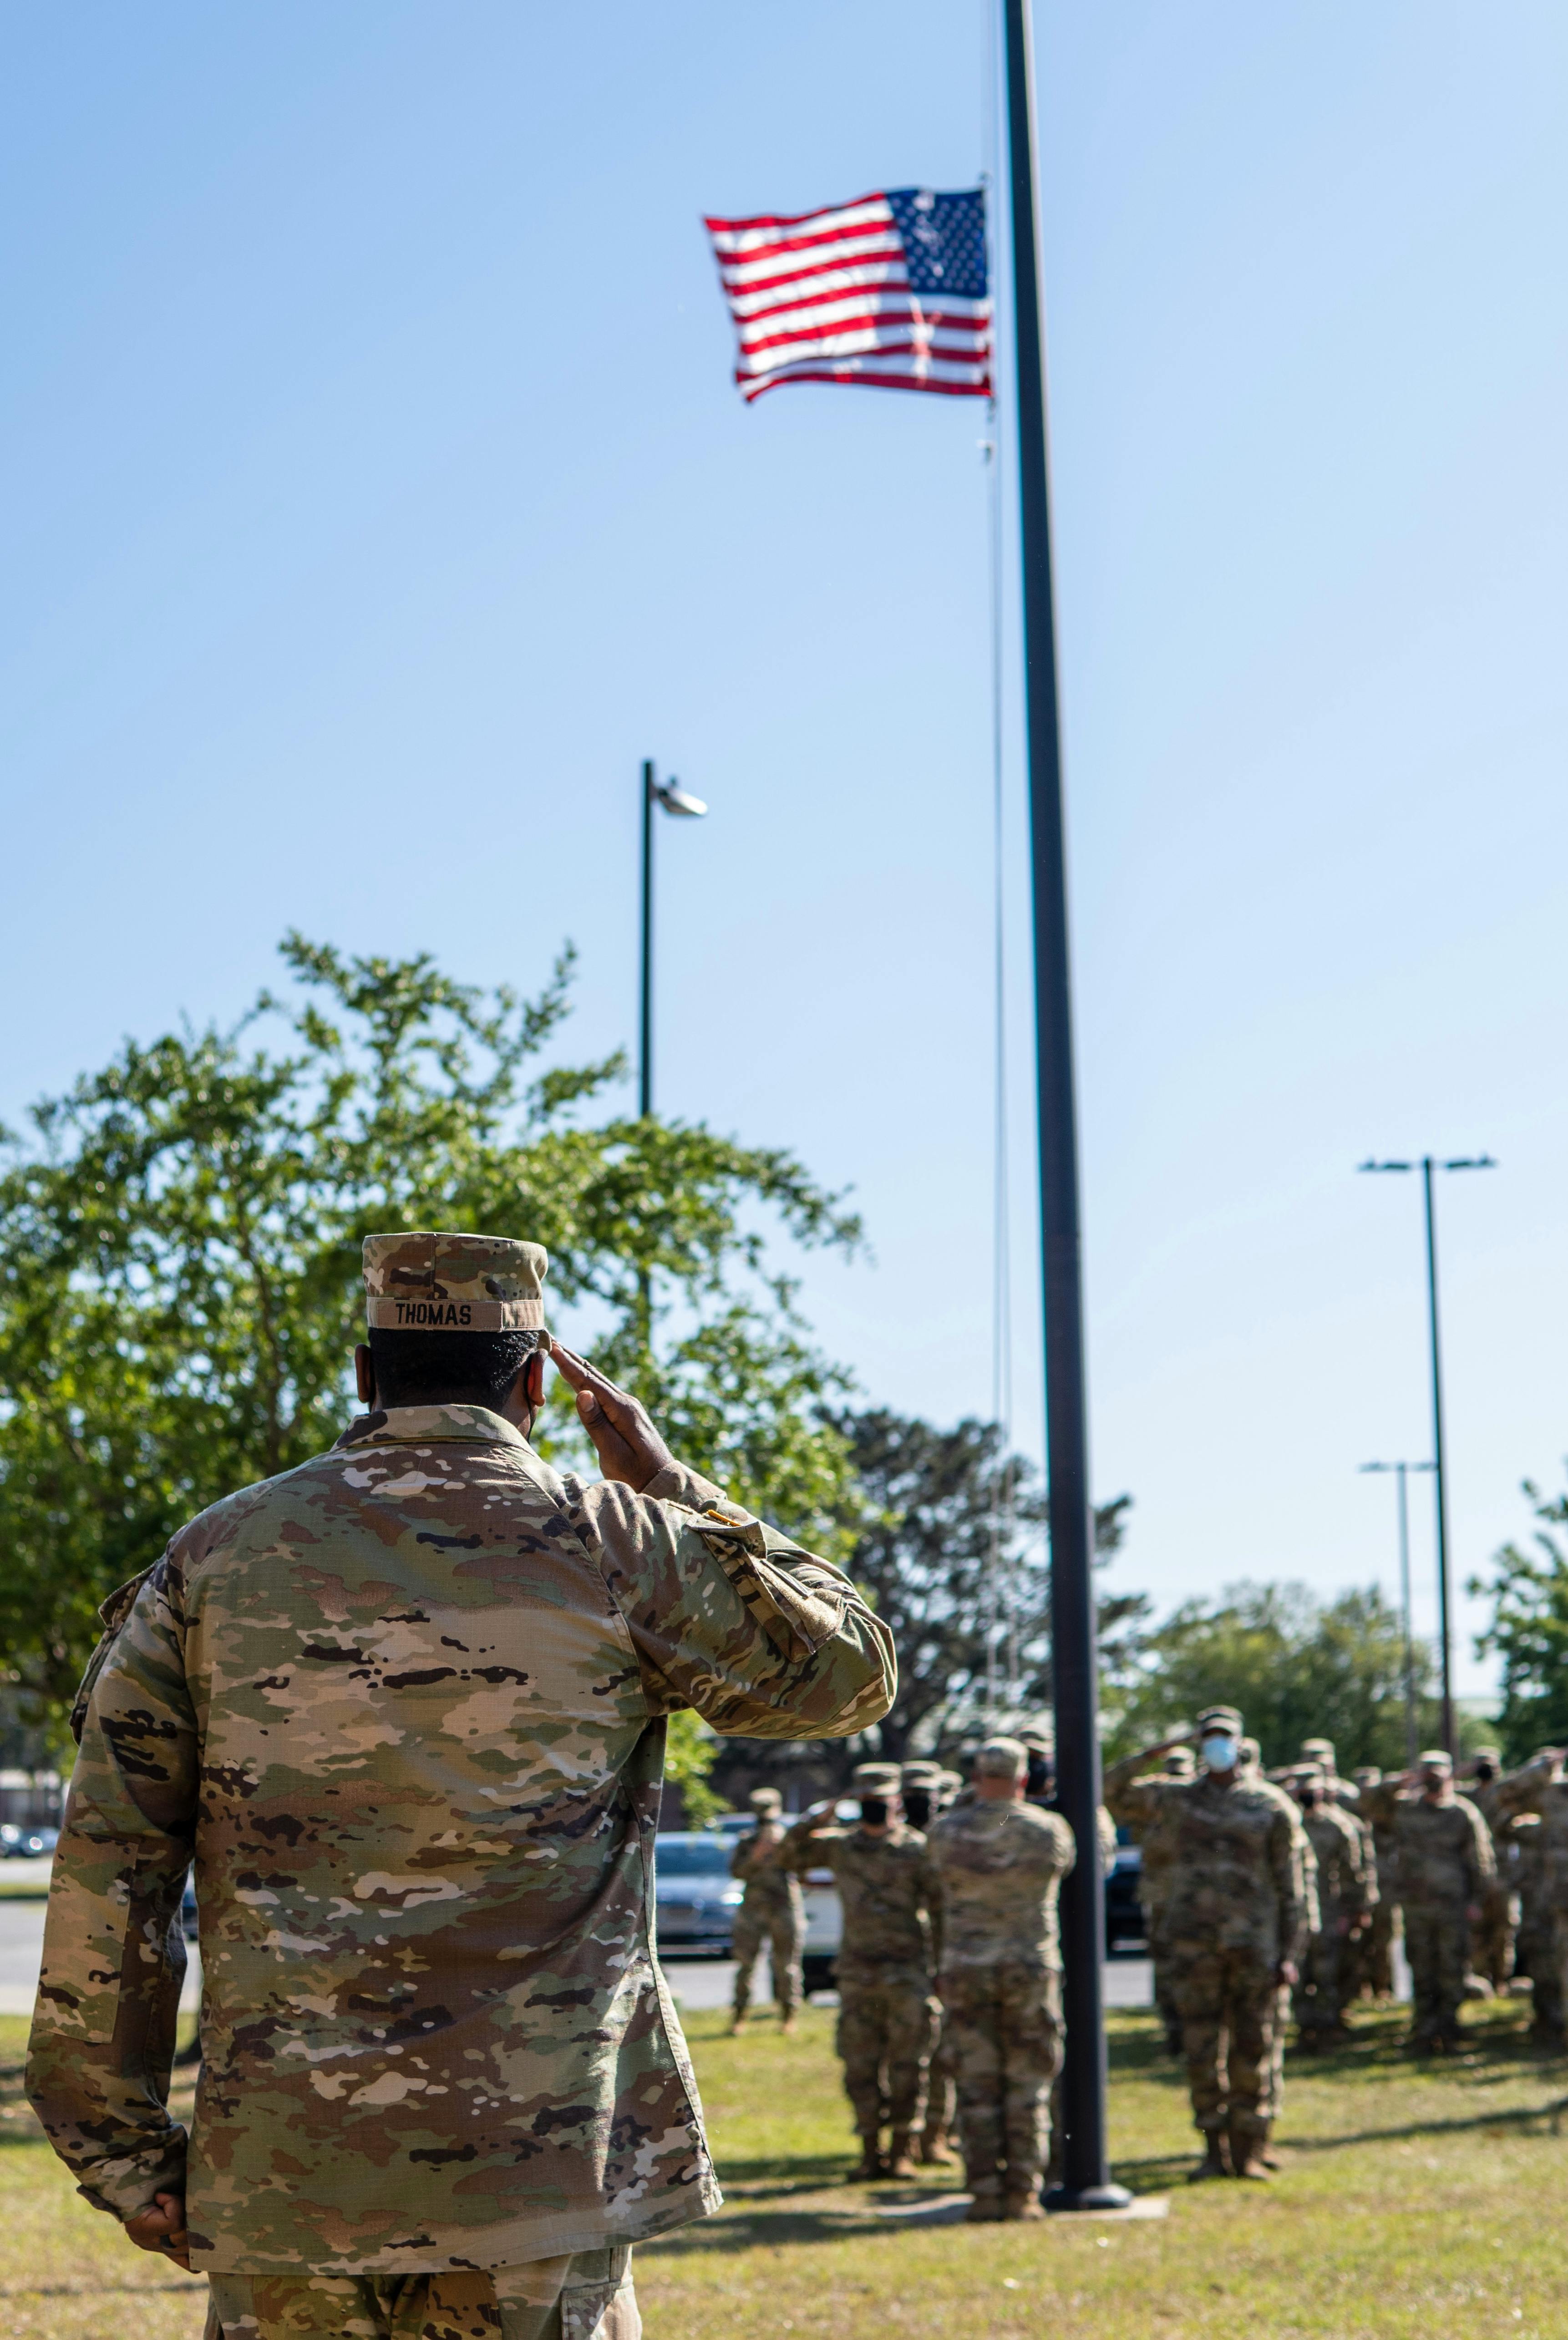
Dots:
{"x": 180, "y": 1267}
{"x": 948, "y": 1542}
{"x": 1295, "y": 1666}
{"x": 1529, "y": 1631}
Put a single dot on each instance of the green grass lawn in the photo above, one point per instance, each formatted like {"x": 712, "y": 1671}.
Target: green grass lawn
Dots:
{"x": 1426, "y": 2200}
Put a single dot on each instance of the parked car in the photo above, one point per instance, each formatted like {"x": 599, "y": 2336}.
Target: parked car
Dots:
{"x": 695, "y": 1897}
{"x": 27, "y": 1843}
{"x": 1124, "y": 1910}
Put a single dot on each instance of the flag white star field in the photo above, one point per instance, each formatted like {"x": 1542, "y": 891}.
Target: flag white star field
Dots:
{"x": 889, "y": 292}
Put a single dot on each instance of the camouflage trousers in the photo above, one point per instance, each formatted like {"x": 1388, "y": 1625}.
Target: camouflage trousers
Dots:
{"x": 1375, "y": 1959}
{"x": 887, "y": 2025}
{"x": 1004, "y": 2033}
{"x": 1320, "y": 1994}
{"x": 1541, "y": 1941}
{"x": 586, "y": 2296}
{"x": 1437, "y": 1944}
{"x": 1165, "y": 1993}
{"x": 783, "y": 1931}
{"x": 1492, "y": 1935}
{"x": 1231, "y": 2008}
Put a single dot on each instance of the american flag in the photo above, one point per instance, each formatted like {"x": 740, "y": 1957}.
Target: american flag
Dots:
{"x": 889, "y": 292}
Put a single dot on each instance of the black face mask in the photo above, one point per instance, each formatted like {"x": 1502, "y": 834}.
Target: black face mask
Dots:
{"x": 874, "y": 1810}
{"x": 918, "y": 1806}
{"x": 1485, "y": 1774}
{"x": 1042, "y": 1777}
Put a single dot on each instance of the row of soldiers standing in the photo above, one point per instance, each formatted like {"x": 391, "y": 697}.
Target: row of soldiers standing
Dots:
{"x": 947, "y": 1971}
{"x": 1266, "y": 1896}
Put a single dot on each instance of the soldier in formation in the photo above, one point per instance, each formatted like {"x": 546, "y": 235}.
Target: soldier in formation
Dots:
{"x": 1346, "y": 1892}
{"x": 1443, "y": 1855}
{"x": 1539, "y": 1793}
{"x": 928, "y": 1790}
{"x": 1240, "y": 1911}
{"x": 1492, "y": 1935}
{"x": 1375, "y": 1966}
{"x": 404, "y": 1706}
{"x": 888, "y": 2008}
{"x": 1154, "y": 1891}
{"x": 1001, "y": 1862}
{"x": 772, "y": 1913}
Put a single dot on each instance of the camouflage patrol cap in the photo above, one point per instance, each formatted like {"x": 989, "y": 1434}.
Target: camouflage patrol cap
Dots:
{"x": 424, "y": 1283}
{"x": 876, "y": 1779}
{"x": 1226, "y": 1716}
{"x": 1432, "y": 1759}
{"x": 763, "y": 1801}
{"x": 1320, "y": 1750}
{"x": 951, "y": 1785}
{"x": 1488, "y": 1755}
{"x": 1040, "y": 1736}
{"x": 1367, "y": 1775}
{"x": 1001, "y": 1759}
{"x": 922, "y": 1774}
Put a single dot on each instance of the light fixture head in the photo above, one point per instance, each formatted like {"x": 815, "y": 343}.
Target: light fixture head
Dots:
{"x": 676, "y": 800}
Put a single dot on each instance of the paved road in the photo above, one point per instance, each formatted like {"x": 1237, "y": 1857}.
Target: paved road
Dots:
{"x": 22, "y": 1951}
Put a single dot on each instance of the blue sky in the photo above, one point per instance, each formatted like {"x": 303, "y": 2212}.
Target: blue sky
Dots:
{"x": 376, "y": 496}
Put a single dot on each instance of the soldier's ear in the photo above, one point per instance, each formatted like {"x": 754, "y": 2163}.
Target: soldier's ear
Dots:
{"x": 365, "y": 1374}
{"x": 533, "y": 1379}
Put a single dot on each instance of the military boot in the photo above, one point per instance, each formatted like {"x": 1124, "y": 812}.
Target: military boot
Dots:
{"x": 934, "y": 2147}
{"x": 985, "y": 2210}
{"x": 1247, "y": 2149}
{"x": 1024, "y": 2206}
{"x": 900, "y": 2161}
{"x": 1214, "y": 2163}
{"x": 870, "y": 2165}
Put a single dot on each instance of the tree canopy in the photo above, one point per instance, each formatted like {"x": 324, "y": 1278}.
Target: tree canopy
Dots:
{"x": 1295, "y": 1666}
{"x": 1528, "y": 1590}
{"x": 180, "y": 1286}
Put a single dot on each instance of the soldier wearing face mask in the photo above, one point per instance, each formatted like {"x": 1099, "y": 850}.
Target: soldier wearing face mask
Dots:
{"x": 1239, "y": 1912}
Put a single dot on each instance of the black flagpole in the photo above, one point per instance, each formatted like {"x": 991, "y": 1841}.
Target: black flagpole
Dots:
{"x": 1085, "y": 2169}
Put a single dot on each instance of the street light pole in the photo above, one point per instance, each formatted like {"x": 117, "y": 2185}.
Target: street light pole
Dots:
{"x": 1412, "y": 1735}
{"x": 1426, "y": 1166}
{"x": 674, "y": 800}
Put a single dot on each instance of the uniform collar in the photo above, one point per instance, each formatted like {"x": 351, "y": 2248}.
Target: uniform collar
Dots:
{"x": 432, "y": 1425}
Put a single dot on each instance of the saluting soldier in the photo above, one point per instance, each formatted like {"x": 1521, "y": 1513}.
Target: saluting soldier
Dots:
{"x": 1002, "y": 1862}
{"x": 886, "y": 1968}
{"x": 1241, "y": 1909}
{"x": 404, "y": 1706}
{"x": 1346, "y": 1892}
{"x": 1445, "y": 1858}
{"x": 771, "y": 1916}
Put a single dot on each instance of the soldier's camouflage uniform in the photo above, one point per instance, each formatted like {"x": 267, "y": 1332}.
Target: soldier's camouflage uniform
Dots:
{"x": 1376, "y": 1965}
{"x": 1492, "y": 1935}
{"x": 1444, "y": 1859}
{"x": 773, "y": 1914}
{"x": 1240, "y": 1903}
{"x": 1157, "y": 1845}
{"x": 1347, "y": 1891}
{"x": 404, "y": 1706}
{"x": 1539, "y": 1945}
{"x": 885, "y": 1970}
{"x": 1541, "y": 1789}
{"x": 1001, "y": 1866}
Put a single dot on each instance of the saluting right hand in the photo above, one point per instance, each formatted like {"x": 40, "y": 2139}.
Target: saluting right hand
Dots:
{"x": 628, "y": 1447}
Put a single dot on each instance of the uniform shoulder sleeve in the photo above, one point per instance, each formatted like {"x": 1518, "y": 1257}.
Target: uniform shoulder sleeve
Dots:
{"x": 113, "y": 1960}
{"x": 731, "y": 1617}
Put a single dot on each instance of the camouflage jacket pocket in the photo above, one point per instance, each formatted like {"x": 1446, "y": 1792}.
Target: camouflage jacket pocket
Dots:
{"x": 798, "y": 1611}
